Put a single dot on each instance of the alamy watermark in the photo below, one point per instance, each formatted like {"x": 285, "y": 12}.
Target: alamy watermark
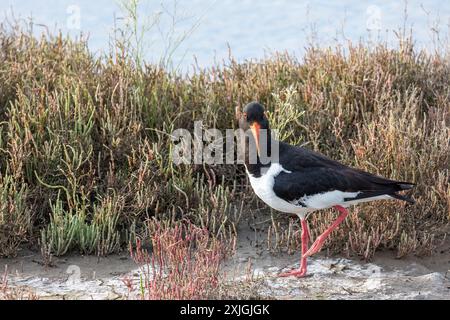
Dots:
{"x": 74, "y": 272}
{"x": 73, "y": 17}
{"x": 373, "y": 21}
{"x": 213, "y": 146}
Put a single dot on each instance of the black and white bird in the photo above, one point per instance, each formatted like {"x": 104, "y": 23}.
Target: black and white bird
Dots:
{"x": 300, "y": 181}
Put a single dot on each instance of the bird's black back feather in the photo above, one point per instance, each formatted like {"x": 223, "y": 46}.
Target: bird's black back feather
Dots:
{"x": 313, "y": 173}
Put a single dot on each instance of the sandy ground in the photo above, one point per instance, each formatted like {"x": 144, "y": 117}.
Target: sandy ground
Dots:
{"x": 252, "y": 271}
{"x": 338, "y": 278}
{"x": 72, "y": 277}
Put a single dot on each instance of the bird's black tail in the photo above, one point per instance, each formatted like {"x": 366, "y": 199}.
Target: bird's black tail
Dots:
{"x": 400, "y": 197}
{"x": 403, "y": 186}
{"x": 406, "y": 185}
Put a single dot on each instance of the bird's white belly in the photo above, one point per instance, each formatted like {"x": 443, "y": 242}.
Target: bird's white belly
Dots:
{"x": 328, "y": 199}
{"x": 270, "y": 198}
{"x": 263, "y": 188}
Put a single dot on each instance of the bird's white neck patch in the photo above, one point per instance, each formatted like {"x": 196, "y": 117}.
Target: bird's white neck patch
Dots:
{"x": 269, "y": 172}
{"x": 263, "y": 187}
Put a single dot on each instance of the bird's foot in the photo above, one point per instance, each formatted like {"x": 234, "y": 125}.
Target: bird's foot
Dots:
{"x": 299, "y": 273}
{"x": 315, "y": 247}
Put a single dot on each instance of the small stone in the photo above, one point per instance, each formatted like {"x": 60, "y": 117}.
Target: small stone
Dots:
{"x": 243, "y": 259}
{"x": 258, "y": 273}
{"x": 273, "y": 269}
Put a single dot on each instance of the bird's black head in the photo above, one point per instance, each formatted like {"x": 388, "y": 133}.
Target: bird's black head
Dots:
{"x": 253, "y": 117}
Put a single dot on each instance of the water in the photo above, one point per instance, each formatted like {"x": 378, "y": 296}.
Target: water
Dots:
{"x": 252, "y": 29}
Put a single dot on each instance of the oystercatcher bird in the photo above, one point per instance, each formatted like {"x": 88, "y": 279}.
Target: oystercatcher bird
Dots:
{"x": 300, "y": 181}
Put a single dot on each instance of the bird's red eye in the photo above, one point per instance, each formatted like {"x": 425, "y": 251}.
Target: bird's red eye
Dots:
{"x": 245, "y": 115}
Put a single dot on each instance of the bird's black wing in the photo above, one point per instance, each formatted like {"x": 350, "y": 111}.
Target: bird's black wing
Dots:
{"x": 312, "y": 173}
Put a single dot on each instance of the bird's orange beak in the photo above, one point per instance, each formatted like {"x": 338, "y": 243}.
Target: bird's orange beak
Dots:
{"x": 255, "y": 131}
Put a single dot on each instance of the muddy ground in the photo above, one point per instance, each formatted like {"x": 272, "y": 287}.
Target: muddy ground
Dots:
{"x": 252, "y": 271}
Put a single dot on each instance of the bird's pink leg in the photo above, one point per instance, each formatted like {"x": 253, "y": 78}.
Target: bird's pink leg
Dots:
{"x": 305, "y": 239}
{"x": 317, "y": 245}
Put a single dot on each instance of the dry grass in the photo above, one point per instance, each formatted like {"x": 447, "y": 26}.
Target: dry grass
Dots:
{"x": 15, "y": 217}
{"x": 184, "y": 262}
{"x": 14, "y": 293}
{"x": 85, "y": 151}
